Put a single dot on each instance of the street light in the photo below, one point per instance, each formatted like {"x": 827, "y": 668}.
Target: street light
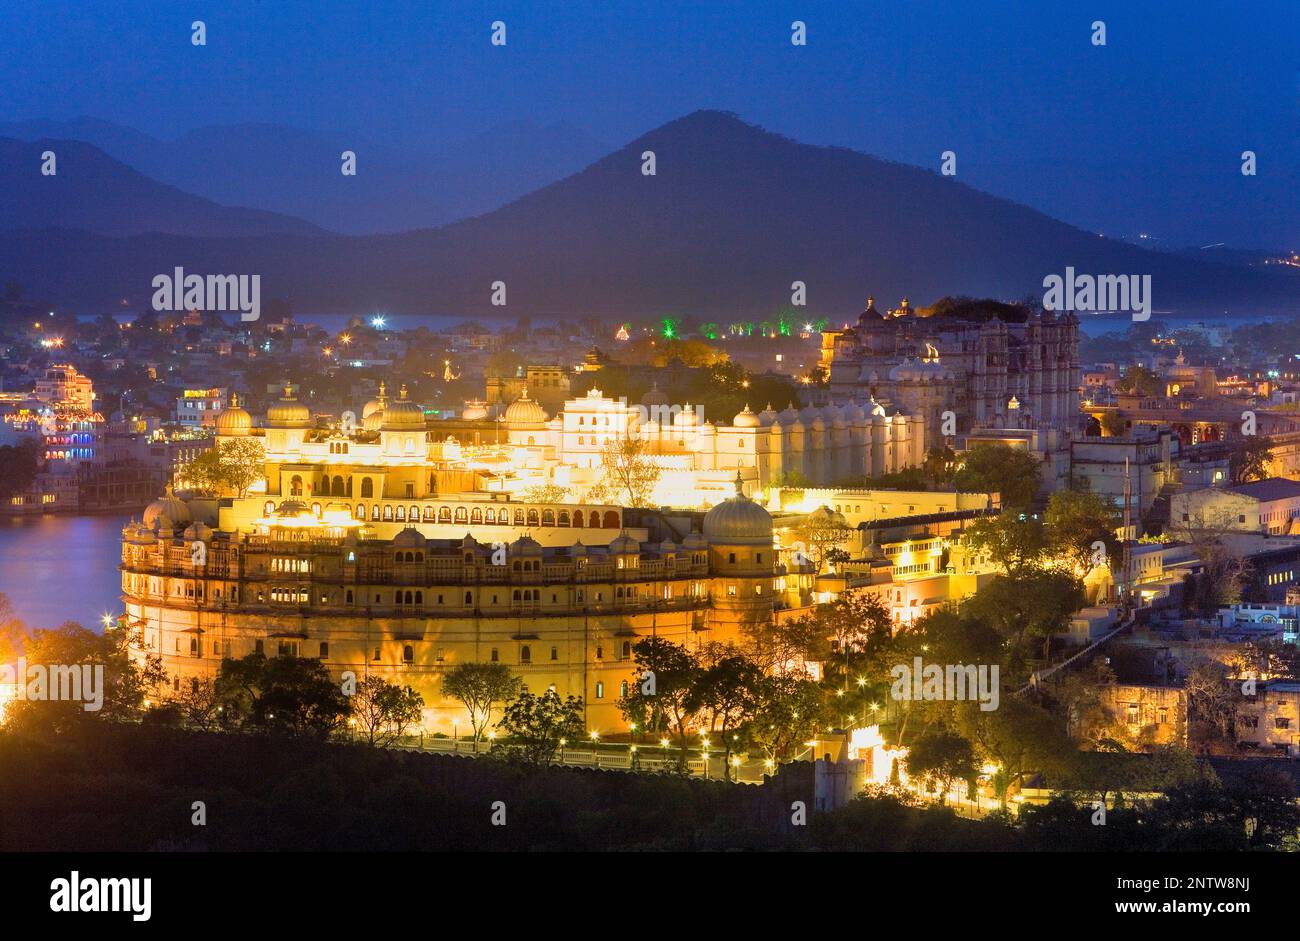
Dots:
{"x": 595, "y": 753}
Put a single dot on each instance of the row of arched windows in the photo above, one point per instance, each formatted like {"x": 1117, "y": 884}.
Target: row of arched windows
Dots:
{"x": 490, "y": 516}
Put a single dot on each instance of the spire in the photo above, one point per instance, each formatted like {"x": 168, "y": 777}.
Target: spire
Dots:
{"x": 383, "y": 390}
{"x": 740, "y": 485}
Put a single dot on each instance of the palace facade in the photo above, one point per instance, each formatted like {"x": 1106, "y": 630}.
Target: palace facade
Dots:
{"x": 374, "y": 551}
{"x": 988, "y": 373}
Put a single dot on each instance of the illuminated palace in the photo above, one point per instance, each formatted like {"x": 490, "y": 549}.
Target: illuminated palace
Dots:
{"x": 388, "y": 550}
{"x": 990, "y": 374}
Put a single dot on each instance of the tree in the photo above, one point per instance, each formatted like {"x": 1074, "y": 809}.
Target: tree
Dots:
{"x": 1075, "y": 522}
{"x": 1027, "y": 609}
{"x": 13, "y": 633}
{"x": 1142, "y": 381}
{"x": 661, "y": 698}
{"x": 204, "y": 473}
{"x": 125, "y": 683}
{"x": 1014, "y": 541}
{"x": 292, "y": 695}
{"x": 783, "y": 644}
{"x": 233, "y": 465}
{"x": 537, "y": 724}
{"x": 940, "y": 465}
{"x": 198, "y": 704}
{"x": 545, "y": 493}
{"x": 1223, "y": 572}
{"x": 630, "y": 472}
{"x": 1212, "y": 701}
{"x": 383, "y": 710}
{"x": 478, "y": 686}
{"x": 998, "y": 468}
{"x": 727, "y": 694}
{"x": 242, "y": 463}
{"x": 942, "y": 755}
{"x": 860, "y": 626}
{"x": 1249, "y": 459}
{"x": 788, "y": 712}
{"x": 1112, "y": 425}
{"x": 820, "y": 533}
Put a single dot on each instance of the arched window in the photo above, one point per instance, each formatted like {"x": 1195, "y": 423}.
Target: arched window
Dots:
{"x": 295, "y": 486}
{"x": 462, "y": 514}
{"x": 476, "y": 515}
{"x": 469, "y": 597}
{"x": 564, "y": 517}
{"x": 367, "y": 487}
{"x": 315, "y": 510}
{"x": 388, "y": 512}
{"x": 401, "y": 514}
{"x": 516, "y": 594}
{"x": 519, "y": 517}
{"x": 595, "y": 519}
{"x": 525, "y": 654}
{"x": 444, "y": 514}
{"x": 429, "y": 513}
{"x": 627, "y": 649}
{"x": 532, "y": 517}
{"x": 419, "y": 597}
{"x": 408, "y": 653}
{"x": 490, "y": 516}
{"x": 338, "y": 486}
{"x": 268, "y": 508}
{"x": 548, "y": 517}
{"x": 611, "y": 519}
{"x": 374, "y": 512}
{"x": 415, "y": 514}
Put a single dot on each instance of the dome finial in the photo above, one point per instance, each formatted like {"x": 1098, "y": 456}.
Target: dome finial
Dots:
{"x": 402, "y": 392}
{"x": 234, "y": 400}
{"x": 740, "y": 484}
{"x": 383, "y": 390}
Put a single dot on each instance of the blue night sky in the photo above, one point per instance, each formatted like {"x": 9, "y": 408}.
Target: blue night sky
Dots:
{"x": 1144, "y": 134}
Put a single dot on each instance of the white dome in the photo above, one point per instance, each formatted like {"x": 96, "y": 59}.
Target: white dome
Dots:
{"x": 525, "y": 411}
{"x": 738, "y": 520}
{"x": 745, "y": 419}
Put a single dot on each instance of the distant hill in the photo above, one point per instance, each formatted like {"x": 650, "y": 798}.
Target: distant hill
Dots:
{"x": 733, "y": 215}
{"x": 417, "y": 183}
{"x": 92, "y": 191}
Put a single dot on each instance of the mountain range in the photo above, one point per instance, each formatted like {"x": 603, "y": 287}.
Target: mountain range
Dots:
{"x": 421, "y": 182}
{"x": 731, "y": 217}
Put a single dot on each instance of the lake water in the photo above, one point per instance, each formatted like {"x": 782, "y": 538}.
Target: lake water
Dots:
{"x": 62, "y": 568}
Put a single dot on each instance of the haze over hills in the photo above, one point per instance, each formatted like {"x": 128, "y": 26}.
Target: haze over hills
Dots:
{"x": 732, "y": 217}
{"x": 92, "y": 191}
{"x": 419, "y": 182}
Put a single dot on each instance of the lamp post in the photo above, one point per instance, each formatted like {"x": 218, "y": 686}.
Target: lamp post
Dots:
{"x": 595, "y": 753}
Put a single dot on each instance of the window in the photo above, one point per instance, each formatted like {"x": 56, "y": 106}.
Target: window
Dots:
{"x": 258, "y": 647}
{"x": 324, "y": 650}
{"x": 525, "y": 654}
{"x": 1282, "y": 722}
{"x": 555, "y": 653}
{"x": 408, "y": 654}
{"x": 600, "y": 690}
{"x": 375, "y": 656}
{"x": 731, "y": 557}
{"x": 367, "y": 487}
{"x": 495, "y": 656}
